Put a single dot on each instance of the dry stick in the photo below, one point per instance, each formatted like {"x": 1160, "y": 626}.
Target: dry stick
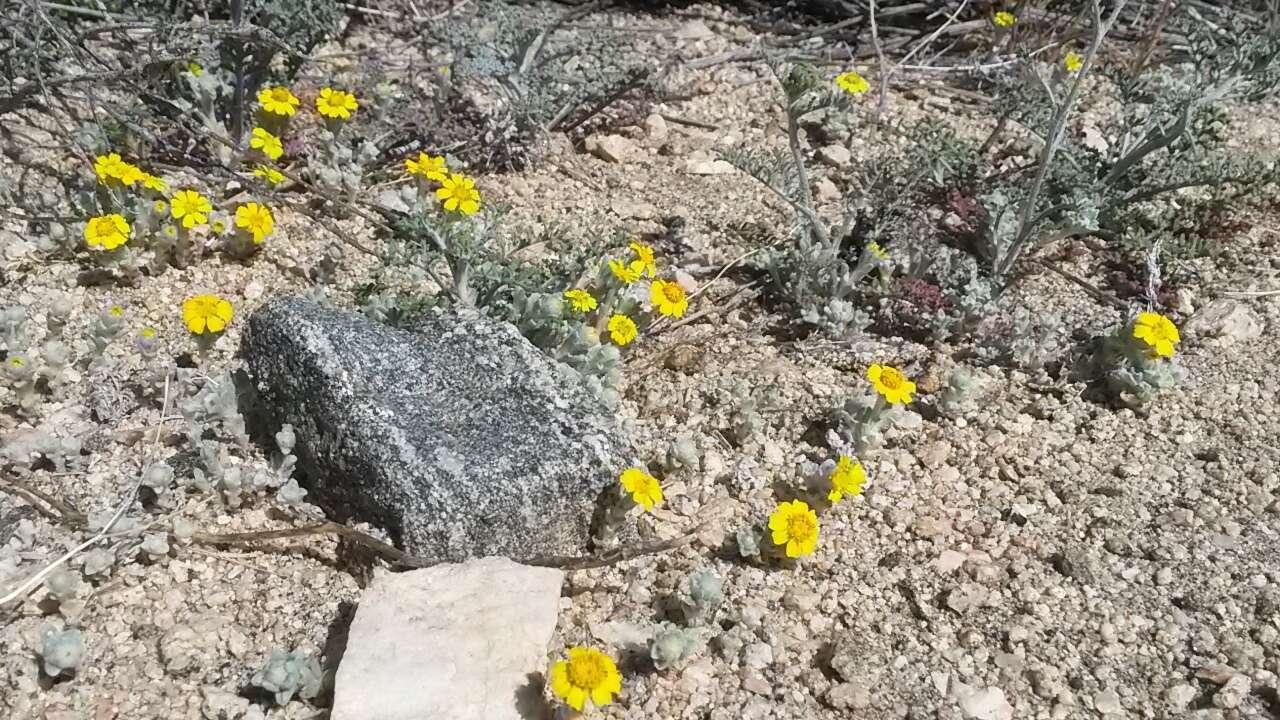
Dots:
{"x": 1058, "y": 127}
{"x": 679, "y": 120}
{"x": 1089, "y": 288}
{"x": 39, "y": 577}
{"x": 884, "y": 64}
{"x": 395, "y": 555}
{"x": 887, "y": 77}
{"x": 57, "y": 509}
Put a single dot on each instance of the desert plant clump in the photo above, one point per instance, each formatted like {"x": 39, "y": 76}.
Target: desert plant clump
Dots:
{"x": 1136, "y": 361}
{"x": 287, "y": 674}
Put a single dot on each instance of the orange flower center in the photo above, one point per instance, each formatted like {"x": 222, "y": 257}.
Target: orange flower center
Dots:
{"x": 104, "y": 226}
{"x": 672, "y": 292}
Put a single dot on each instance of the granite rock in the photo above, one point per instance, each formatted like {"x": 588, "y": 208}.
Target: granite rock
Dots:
{"x": 457, "y": 436}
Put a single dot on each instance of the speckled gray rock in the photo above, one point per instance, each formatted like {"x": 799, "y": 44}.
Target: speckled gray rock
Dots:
{"x": 457, "y": 436}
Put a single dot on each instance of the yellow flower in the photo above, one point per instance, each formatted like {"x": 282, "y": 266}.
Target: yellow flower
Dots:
{"x": 107, "y": 231}
{"x": 580, "y": 300}
{"x": 622, "y": 329}
{"x": 266, "y": 142}
{"x": 1004, "y": 19}
{"x": 626, "y": 273}
{"x": 891, "y": 384}
{"x": 431, "y": 168}
{"x": 644, "y": 256}
{"x": 846, "y": 479}
{"x": 112, "y": 167}
{"x": 1073, "y": 62}
{"x": 17, "y": 362}
{"x": 874, "y": 248}
{"x": 588, "y": 673}
{"x": 194, "y": 68}
{"x": 151, "y": 182}
{"x": 668, "y": 297}
{"x": 170, "y": 231}
{"x": 206, "y": 313}
{"x": 794, "y": 526}
{"x": 852, "y": 83}
{"x": 190, "y": 207}
{"x": 1157, "y": 331}
{"x": 278, "y": 101}
{"x": 459, "y": 193}
{"x": 271, "y": 175}
{"x": 644, "y": 488}
{"x": 160, "y": 207}
{"x": 148, "y": 333}
{"x": 256, "y": 219}
{"x": 115, "y": 311}
{"x": 336, "y": 104}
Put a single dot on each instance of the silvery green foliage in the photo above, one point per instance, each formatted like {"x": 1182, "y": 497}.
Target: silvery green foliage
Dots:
{"x": 183, "y": 529}
{"x": 547, "y": 322}
{"x": 12, "y": 319}
{"x": 290, "y": 673}
{"x": 340, "y": 166}
{"x": 155, "y": 545}
{"x": 818, "y": 273}
{"x": 158, "y": 477}
{"x": 672, "y": 645}
{"x": 704, "y": 594}
{"x": 63, "y": 584}
{"x": 56, "y": 356}
{"x": 290, "y": 493}
{"x": 748, "y": 541}
{"x": 746, "y": 422}
{"x": 536, "y": 73}
{"x": 959, "y": 397}
{"x": 20, "y": 374}
{"x": 1167, "y": 136}
{"x": 1127, "y": 369}
{"x": 61, "y": 651}
{"x": 214, "y": 403}
{"x": 286, "y": 461}
{"x": 862, "y": 420}
{"x": 682, "y": 452}
{"x": 97, "y": 562}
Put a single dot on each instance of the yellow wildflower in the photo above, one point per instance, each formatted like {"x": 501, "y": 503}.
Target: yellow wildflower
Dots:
{"x": 269, "y": 174}
{"x": 1073, "y": 62}
{"x": 794, "y": 527}
{"x": 107, "y": 231}
{"x": 1004, "y": 19}
{"x": 209, "y": 313}
{"x": 431, "y": 168}
{"x": 1157, "y": 331}
{"x": 256, "y": 220}
{"x": 588, "y": 673}
{"x": 627, "y": 273}
{"x": 644, "y": 256}
{"x": 644, "y": 488}
{"x": 148, "y": 333}
{"x": 580, "y": 300}
{"x": 170, "y": 231}
{"x": 846, "y": 479}
{"x": 459, "y": 194}
{"x": 266, "y": 142}
{"x": 892, "y": 385}
{"x": 852, "y": 83}
{"x": 160, "y": 207}
{"x": 217, "y": 224}
{"x": 151, "y": 182}
{"x": 622, "y": 329}
{"x": 115, "y": 311}
{"x": 879, "y": 252}
{"x": 278, "y": 101}
{"x": 194, "y": 68}
{"x": 336, "y": 104}
{"x": 668, "y": 297}
{"x": 190, "y": 207}
{"x": 112, "y": 167}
